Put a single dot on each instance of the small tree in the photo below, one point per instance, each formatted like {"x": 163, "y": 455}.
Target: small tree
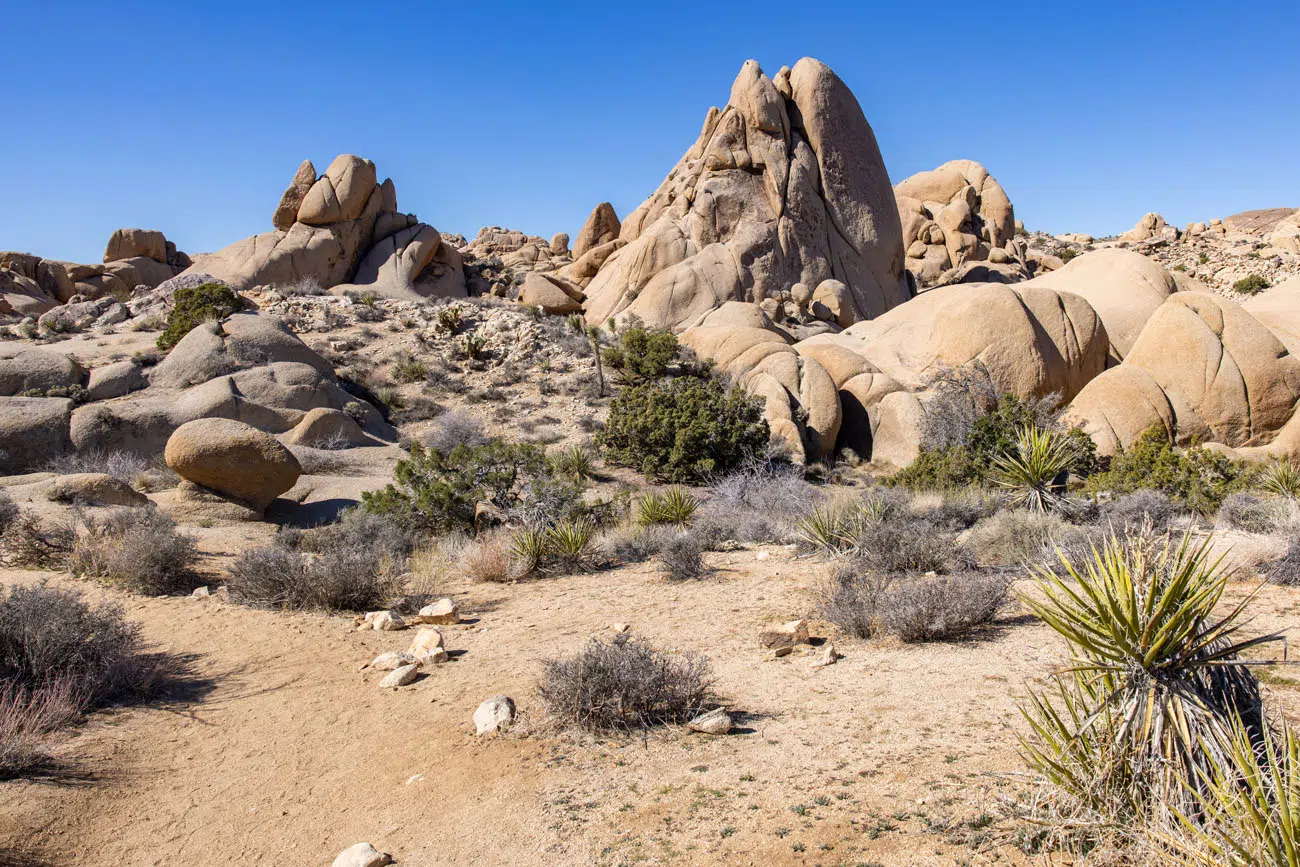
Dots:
{"x": 683, "y": 430}
{"x": 643, "y": 353}
{"x": 196, "y": 305}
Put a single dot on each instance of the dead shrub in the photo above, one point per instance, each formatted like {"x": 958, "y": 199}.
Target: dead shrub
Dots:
{"x": 28, "y": 718}
{"x": 900, "y": 542}
{"x": 8, "y": 512}
{"x": 1019, "y": 537}
{"x": 625, "y": 684}
{"x": 629, "y": 543}
{"x": 681, "y": 557}
{"x": 137, "y": 550}
{"x": 453, "y": 428}
{"x": 1286, "y": 569}
{"x": 1131, "y": 510}
{"x": 357, "y": 564}
{"x": 915, "y": 608}
{"x": 38, "y": 543}
{"x": 1252, "y": 514}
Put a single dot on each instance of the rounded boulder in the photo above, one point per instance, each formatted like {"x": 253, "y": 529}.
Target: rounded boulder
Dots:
{"x": 233, "y": 459}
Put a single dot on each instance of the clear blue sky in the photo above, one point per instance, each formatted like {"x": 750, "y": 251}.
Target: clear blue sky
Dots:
{"x": 191, "y": 117}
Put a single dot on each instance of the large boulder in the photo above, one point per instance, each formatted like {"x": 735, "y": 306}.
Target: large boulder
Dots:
{"x": 410, "y": 265}
{"x": 1151, "y": 226}
{"x": 94, "y": 489}
{"x": 28, "y": 368}
{"x": 1203, "y": 369}
{"x": 32, "y": 431}
{"x": 550, "y": 294}
{"x": 233, "y": 459}
{"x": 130, "y": 243}
{"x": 1124, "y": 287}
{"x": 602, "y": 226}
{"x": 214, "y": 349}
{"x": 785, "y": 185}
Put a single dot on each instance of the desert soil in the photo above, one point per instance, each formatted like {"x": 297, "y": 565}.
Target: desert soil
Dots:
{"x": 287, "y": 752}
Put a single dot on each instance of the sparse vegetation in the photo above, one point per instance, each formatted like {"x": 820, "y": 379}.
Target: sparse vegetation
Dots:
{"x": 35, "y": 542}
{"x": 137, "y": 550}
{"x": 1251, "y": 284}
{"x": 1195, "y": 478}
{"x": 865, "y": 603}
{"x": 625, "y": 684}
{"x": 194, "y": 306}
{"x": 682, "y": 558}
{"x": 674, "y": 506}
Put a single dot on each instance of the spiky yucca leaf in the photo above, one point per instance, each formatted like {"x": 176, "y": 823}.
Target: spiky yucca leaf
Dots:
{"x": 1031, "y": 472}
{"x": 1157, "y": 677}
{"x": 1248, "y": 809}
{"x": 568, "y": 545}
{"x": 673, "y": 506}
{"x": 1282, "y": 478}
{"x": 528, "y": 549}
{"x": 574, "y": 462}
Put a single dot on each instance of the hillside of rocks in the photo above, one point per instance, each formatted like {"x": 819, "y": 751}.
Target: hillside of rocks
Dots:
{"x": 776, "y": 248}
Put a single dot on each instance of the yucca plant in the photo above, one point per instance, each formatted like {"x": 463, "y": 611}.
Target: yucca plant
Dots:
{"x": 1247, "y": 810}
{"x": 1033, "y": 474}
{"x": 826, "y": 529}
{"x": 673, "y": 506}
{"x": 528, "y": 549}
{"x": 1281, "y": 478}
{"x": 573, "y": 462}
{"x": 568, "y": 545}
{"x": 1155, "y": 680}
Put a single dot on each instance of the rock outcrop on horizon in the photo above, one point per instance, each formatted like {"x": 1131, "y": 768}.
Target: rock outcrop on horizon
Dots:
{"x": 345, "y": 234}
{"x": 784, "y": 186}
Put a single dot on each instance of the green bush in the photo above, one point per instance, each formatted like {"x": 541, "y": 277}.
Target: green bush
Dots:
{"x": 643, "y": 353}
{"x": 438, "y": 491}
{"x": 683, "y": 430}
{"x": 1251, "y": 284}
{"x": 1195, "y": 478}
{"x": 992, "y": 435}
{"x": 194, "y": 306}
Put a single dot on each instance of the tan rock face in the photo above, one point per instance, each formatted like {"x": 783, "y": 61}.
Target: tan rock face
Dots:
{"x": 233, "y": 459}
{"x": 952, "y": 215}
{"x": 785, "y": 185}
{"x": 551, "y": 294}
{"x": 602, "y": 226}
{"x": 286, "y": 213}
{"x": 1203, "y": 368}
{"x": 129, "y": 243}
{"x": 94, "y": 489}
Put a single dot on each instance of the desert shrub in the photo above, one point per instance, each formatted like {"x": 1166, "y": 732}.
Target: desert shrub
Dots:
{"x": 1286, "y": 569}
{"x": 137, "y": 550}
{"x": 51, "y": 638}
{"x": 1251, "y": 514}
{"x": 193, "y": 306}
{"x": 1132, "y": 509}
{"x": 863, "y": 603}
{"x": 643, "y": 353}
{"x": 1152, "y": 690}
{"x": 767, "y": 486}
{"x": 126, "y": 466}
{"x": 625, "y": 684}
{"x": 8, "y": 512}
{"x": 682, "y": 558}
{"x": 970, "y": 430}
{"x": 438, "y": 491}
{"x": 951, "y": 511}
{"x": 884, "y": 534}
{"x": 454, "y": 428}
{"x": 1195, "y": 478}
{"x": 673, "y": 506}
{"x": 631, "y": 543}
{"x": 408, "y": 369}
{"x": 683, "y": 430}
{"x": 487, "y": 558}
{"x": 1251, "y": 284}
{"x": 573, "y": 462}
{"x": 357, "y": 564}
{"x": 37, "y": 542}
{"x": 1018, "y": 537}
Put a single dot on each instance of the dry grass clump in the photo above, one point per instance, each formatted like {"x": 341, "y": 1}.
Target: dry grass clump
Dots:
{"x": 1129, "y": 511}
{"x": 629, "y": 543}
{"x": 1019, "y": 538}
{"x": 454, "y": 428}
{"x": 357, "y": 564}
{"x": 625, "y": 684}
{"x": 866, "y": 603}
{"x": 487, "y": 558}
{"x": 138, "y": 550}
{"x": 61, "y": 656}
{"x": 1286, "y": 569}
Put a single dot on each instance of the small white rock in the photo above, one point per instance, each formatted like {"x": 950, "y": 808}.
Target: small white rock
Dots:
{"x": 400, "y": 676}
{"x": 428, "y": 647}
{"x": 202, "y": 592}
{"x": 387, "y": 621}
{"x": 715, "y": 722}
{"x": 494, "y": 715}
{"x": 444, "y": 611}
{"x": 828, "y": 656}
{"x": 362, "y": 855}
{"x": 763, "y": 555}
{"x": 391, "y": 660}
{"x": 620, "y": 627}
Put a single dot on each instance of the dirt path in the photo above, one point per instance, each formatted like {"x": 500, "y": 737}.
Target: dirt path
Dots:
{"x": 294, "y": 754}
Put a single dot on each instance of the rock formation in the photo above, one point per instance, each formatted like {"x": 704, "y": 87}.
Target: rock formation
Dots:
{"x": 346, "y": 234}
{"x": 952, "y": 215}
{"x": 785, "y": 185}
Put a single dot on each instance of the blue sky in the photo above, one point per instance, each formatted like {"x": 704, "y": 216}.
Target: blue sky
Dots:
{"x": 192, "y": 117}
